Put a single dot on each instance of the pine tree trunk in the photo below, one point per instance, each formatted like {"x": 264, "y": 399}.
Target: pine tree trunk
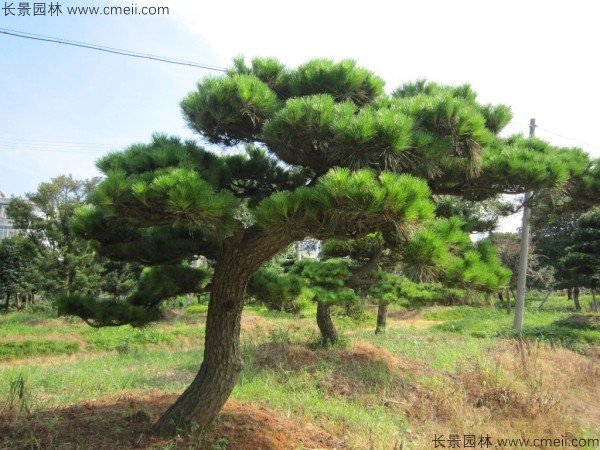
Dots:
{"x": 576, "y": 298}
{"x": 381, "y": 317}
{"x": 508, "y": 300}
{"x": 569, "y": 293}
{"x": 328, "y": 332}
{"x": 203, "y": 399}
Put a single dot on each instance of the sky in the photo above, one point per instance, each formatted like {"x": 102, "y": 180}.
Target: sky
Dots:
{"x": 62, "y": 107}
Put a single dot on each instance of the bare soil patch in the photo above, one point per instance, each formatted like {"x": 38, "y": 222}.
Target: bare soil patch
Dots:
{"x": 124, "y": 423}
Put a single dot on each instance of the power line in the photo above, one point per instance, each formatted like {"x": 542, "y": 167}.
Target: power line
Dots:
{"x": 41, "y": 142}
{"x": 117, "y": 51}
{"x": 559, "y": 135}
{"x": 569, "y": 138}
{"x": 82, "y": 152}
{"x": 52, "y": 150}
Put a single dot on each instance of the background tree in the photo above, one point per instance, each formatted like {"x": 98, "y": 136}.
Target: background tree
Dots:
{"x": 554, "y": 221}
{"x": 327, "y": 281}
{"x": 119, "y": 279}
{"x": 478, "y": 216}
{"x": 438, "y": 261}
{"x": 16, "y": 269}
{"x": 328, "y": 155}
{"x": 277, "y": 290}
{"x": 583, "y": 256}
{"x": 67, "y": 261}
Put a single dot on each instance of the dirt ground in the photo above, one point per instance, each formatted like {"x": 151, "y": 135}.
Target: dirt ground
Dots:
{"x": 124, "y": 423}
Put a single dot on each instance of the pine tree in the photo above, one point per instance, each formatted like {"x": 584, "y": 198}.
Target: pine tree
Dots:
{"x": 326, "y": 153}
{"x": 435, "y": 262}
{"x": 583, "y": 256}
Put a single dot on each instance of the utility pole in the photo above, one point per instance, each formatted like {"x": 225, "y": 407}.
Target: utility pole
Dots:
{"x": 298, "y": 250}
{"x": 523, "y": 253}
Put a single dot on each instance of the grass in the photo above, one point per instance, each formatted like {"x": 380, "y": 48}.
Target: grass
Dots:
{"x": 55, "y": 385}
{"x": 467, "y": 374}
{"x": 23, "y": 349}
{"x": 549, "y": 326}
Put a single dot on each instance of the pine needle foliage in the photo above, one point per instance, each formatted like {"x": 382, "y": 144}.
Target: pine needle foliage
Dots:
{"x": 328, "y": 154}
{"x": 277, "y": 291}
{"x": 583, "y": 256}
{"x": 327, "y": 280}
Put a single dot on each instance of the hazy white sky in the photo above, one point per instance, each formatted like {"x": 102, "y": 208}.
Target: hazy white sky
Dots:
{"x": 63, "y": 107}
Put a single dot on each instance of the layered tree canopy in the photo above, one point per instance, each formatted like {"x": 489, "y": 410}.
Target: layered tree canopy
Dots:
{"x": 320, "y": 150}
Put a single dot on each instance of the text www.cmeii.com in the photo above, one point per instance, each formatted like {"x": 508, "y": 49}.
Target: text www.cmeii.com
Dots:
{"x": 27, "y": 9}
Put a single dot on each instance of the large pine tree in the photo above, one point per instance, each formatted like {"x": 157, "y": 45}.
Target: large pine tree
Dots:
{"x": 321, "y": 151}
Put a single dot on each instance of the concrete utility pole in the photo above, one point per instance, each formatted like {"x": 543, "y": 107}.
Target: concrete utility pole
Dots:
{"x": 523, "y": 253}
{"x": 298, "y": 249}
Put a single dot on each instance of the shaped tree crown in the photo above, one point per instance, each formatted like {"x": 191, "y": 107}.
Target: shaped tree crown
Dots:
{"x": 324, "y": 152}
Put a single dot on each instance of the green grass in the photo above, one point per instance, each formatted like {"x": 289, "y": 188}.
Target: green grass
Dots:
{"x": 267, "y": 313}
{"x": 309, "y": 392}
{"x": 458, "y": 312}
{"x": 193, "y": 310}
{"x": 104, "y": 376}
{"x": 25, "y": 317}
{"x": 32, "y": 324}
{"x": 487, "y": 323}
{"x": 556, "y": 303}
{"x": 440, "y": 351}
{"x": 332, "y": 390}
{"x": 117, "y": 338}
{"x": 301, "y": 395}
{"x": 22, "y": 349}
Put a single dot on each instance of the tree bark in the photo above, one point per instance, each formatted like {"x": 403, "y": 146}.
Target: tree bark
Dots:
{"x": 508, "y": 300}
{"x": 576, "y": 298}
{"x": 329, "y": 334}
{"x": 381, "y": 317}
{"x": 201, "y": 402}
{"x": 569, "y": 293}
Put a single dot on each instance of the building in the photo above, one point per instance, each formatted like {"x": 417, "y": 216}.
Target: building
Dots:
{"x": 6, "y": 227}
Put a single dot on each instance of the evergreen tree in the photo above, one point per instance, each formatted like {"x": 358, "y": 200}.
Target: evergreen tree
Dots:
{"x": 119, "y": 279}
{"x": 327, "y": 281}
{"x": 327, "y": 154}
{"x": 277, "y": 290}
{"x": 16, "y": 268}
{"x": 67, "y": 262}
{"x": 583, "y": 256}
{"x": 436, "y": 262}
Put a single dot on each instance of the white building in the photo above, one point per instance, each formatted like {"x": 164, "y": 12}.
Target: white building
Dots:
{"x": 6, "y": 226}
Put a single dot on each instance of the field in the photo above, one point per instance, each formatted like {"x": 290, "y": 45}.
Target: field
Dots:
{"x": 439, "y": 375}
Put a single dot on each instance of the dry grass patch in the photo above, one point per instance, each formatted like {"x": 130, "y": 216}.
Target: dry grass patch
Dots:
{"x": 529, "y": 390}
{"x": 124, "y": 423}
